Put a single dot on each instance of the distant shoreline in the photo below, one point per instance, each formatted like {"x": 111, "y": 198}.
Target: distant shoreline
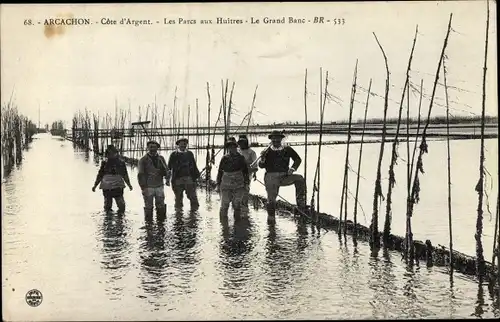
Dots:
{"x": 413, "y": 120}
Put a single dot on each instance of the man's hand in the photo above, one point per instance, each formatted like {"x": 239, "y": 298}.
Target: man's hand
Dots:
{"x": 291, "y": 171}
{"x": 168, "y": 176}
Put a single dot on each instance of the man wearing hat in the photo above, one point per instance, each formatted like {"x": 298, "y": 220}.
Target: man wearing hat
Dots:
{"x": 250, "y": 157}
{"x": 232, "y": 178}
{"x": 152, "y": 170}
{"x": 276, "y": 160}
{"x": 184, "y": 174}
{"x": 112, "y": 176}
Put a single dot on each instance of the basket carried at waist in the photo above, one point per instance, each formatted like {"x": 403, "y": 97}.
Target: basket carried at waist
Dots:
{"x": 232, "y": 180}
{"x": 112, "y": 181}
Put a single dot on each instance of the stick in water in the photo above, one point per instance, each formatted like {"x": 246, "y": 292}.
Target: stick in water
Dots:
{"x": 359, "y": 160}
{"x": 449, "y": 166}
{"x": 374, "y": 237}
{"x": 480, "y": 264}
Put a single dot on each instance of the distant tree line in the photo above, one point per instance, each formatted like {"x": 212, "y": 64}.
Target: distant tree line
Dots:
{"x": 57, "y": 128}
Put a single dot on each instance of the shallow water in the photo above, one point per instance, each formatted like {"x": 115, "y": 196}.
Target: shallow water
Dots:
{"x": 90, "y": 266}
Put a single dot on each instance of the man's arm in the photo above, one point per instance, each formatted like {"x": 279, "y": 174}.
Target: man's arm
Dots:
{"x": 141, "y": 175}
{"x": 164, "y": 165}
{"x": 244, "y": 169}
{"x": 170, "y": 163}
{"x": 295, "y": 157}
{"x": 100, "y": 174}
{"x": 221, "y": 170}
{"x": 263, "y": 160}
{"x": 125, "y": 173}
{"x": 253, "y": 157}
{"x": 196, "y": 173}
{"x": 170, "y": 166}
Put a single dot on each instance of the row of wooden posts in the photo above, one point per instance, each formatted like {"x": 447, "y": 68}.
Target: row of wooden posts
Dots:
{"x": 87, "y": 128}
{"x": 17, "y": 133}
{"x": 414, "y": 170}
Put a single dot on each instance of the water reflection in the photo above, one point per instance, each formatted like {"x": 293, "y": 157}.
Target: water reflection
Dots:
{"x": 276, "y": 263}
{"x": 185, "y": 250}
{"x": 115, "y": 251}
{"x": 409, "y": 286}
{"x": 208, "y": 201}
{"x": 451, "y": 296}
{"x": 153, "y": 256}
{"x": 239, "y": 243}
{"x": 285, "y": 259}
{"x": 349, "y": 266}
{"x": 235, "y": 248}
{"x": 302, "y": 236}
{"x": 480, "y": 303}
{"x": 381, "y": 282}
{"x": 495, "y": 301}
{"x": 12, "y": 195}
{"x": 390, "y": 279}
{"x": 185, "y": 233}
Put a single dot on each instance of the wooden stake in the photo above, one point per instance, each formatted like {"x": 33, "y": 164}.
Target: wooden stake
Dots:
{"x": 496, "y": 241}
{"x": 359, "y": 160}
{"x": 318, "y": 165}
{"x": 375, "y": 239}
{"x": 480, "y": 264}
{"x": 449, "y": 166}
{"x": 197, "y": 131}
{"x": 305, "y": 134}
{"x": 317, "y": 175}
{"x": 415, "y": 191}
{"x": 394, "y": 154}
{"x": 252, "y": 108}
{"x": 207, "y": 159}
{"x": 229, "y": 110}
{"x": 188, "y": 121}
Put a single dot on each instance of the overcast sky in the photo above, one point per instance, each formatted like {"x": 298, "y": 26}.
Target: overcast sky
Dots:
{"x": 90, "y": 66}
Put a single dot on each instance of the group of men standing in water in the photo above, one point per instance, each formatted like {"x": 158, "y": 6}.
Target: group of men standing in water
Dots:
{"x": 236, "y": 169}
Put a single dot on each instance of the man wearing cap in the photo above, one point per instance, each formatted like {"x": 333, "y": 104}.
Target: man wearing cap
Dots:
{"x": 152, "y": 170}
{"x": 276, "y": 160}
{"x": 250, "y": 157}
{"x": 232, "y": 178}
{"x": 184, "y": 175}
{"x": 112, "y": 176}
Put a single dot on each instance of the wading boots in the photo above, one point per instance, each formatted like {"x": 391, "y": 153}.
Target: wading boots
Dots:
{"x": 271, "y": 213}
{"x": 161, "y": 211}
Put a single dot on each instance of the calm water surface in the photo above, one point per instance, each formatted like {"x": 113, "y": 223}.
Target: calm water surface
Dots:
{"x": 89, "y": 265}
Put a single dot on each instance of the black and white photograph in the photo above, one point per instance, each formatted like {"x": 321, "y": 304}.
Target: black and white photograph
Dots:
{"x": 249, "y": 161}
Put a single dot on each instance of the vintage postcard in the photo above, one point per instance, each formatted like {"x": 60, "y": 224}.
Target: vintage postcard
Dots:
{"x": 243, "y": 161}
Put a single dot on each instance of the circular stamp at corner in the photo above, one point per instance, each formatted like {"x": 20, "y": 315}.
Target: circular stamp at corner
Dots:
{"x": 34, "y": 298}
